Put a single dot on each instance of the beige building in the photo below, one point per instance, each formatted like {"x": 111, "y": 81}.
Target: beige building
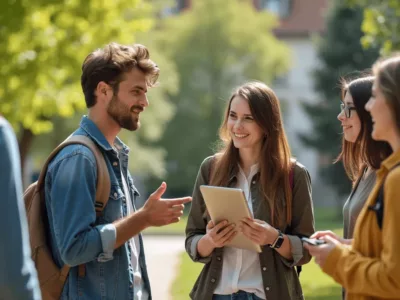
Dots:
{"x": 301, "y": 21}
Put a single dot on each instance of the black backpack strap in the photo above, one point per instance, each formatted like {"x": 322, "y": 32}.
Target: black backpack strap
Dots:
{"x": 378, "y": 207}
{"x": 298, "y": 270}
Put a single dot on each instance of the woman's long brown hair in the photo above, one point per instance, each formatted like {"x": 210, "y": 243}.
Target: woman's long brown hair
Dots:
{"x": 275, "y": 157}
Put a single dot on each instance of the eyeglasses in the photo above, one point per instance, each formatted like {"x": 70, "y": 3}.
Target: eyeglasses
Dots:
{"x": 347, "y": 109}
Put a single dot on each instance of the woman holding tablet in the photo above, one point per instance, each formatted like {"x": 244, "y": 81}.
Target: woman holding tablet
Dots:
{"x": 370, "y": 268}
{"x": 256, "y": 158}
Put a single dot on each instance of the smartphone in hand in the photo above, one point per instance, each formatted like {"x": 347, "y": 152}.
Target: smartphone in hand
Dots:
{"x": 313, "y": 242}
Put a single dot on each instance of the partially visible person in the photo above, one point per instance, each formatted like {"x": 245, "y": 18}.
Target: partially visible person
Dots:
{"x": 256, "y": 158}
{"x": 370, "y": 268}
{"x": 361, "y": 155}
{"x": 18, "y": 278}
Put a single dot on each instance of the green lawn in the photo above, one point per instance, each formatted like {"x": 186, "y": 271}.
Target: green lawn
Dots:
{"x": 175, "y": 228}
{"x": 316, "y": 285}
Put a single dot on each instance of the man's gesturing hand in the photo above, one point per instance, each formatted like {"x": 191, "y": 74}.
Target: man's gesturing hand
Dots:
{"x": 160, "y": 212}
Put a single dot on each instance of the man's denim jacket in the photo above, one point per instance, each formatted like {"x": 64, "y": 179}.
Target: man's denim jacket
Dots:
{"x": 79, "y": 237}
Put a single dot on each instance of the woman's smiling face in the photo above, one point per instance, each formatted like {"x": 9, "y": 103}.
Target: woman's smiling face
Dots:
{"x": 244, "y": 130}
{"x": 351, "y": 125}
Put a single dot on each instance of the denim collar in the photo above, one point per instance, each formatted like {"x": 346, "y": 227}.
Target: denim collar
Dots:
{"x": 94, "y": 132}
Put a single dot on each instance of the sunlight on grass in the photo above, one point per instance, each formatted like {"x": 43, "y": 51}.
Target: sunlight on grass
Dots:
{"x": 317, "y": 285}
{"x": 186, "y": 277}
{"x": 174, "y": 228}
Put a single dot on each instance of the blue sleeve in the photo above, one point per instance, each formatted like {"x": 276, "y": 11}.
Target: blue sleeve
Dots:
{"x": 18, "y": 278}
{"x": 72, "y": 211}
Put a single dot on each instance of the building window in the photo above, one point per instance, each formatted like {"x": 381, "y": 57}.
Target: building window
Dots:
{"x": 282, "y": 8}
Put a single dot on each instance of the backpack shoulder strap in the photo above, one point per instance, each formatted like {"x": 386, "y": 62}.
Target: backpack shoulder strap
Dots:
{"x": 290, "y": 199}
{"x": 103, "y": 180}
{"x": 210, "y": 169}
{"x": 289, "y": 215}
{"x": 291, "y": 177}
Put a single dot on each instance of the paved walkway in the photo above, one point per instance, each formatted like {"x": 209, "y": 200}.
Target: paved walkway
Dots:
{"x": 162, "y": 257}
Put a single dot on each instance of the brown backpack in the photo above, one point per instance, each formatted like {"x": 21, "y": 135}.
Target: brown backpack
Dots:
{"x": 51, "y": 277}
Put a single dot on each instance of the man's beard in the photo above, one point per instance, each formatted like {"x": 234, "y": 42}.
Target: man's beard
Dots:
{"x": 123, "y": 115}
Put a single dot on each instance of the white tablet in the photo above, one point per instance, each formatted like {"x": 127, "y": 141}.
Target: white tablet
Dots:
{"x": 229, "y": 204}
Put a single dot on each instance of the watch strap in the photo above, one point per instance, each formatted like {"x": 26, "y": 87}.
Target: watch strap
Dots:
{"x": 278, "y": 241}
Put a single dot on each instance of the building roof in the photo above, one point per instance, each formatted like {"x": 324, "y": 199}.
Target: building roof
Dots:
{"x": 306, "y": 17}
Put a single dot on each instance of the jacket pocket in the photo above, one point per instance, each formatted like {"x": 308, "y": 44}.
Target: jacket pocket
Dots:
{"x": 113, "y": 209}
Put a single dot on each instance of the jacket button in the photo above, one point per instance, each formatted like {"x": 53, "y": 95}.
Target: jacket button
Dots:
{"x": 115, "y": 163}
{"x": 218, "y": 257}
{"x": 254, "y": 182}
{"x": 115, "y": 195}
{"x": 267, "y": 288}
{"x": 212, "y": 280}
{"x": 264, "y": 269}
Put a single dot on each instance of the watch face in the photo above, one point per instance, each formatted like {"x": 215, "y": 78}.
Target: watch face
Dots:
{"x": 279, "y": 242}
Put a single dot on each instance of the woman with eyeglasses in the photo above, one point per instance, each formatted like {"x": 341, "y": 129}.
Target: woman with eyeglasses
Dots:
{"x": 361, "y": 155}
{"x": 370, "y": 268}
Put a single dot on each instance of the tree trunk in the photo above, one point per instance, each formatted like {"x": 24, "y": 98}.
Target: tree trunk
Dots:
{"x": 25, "y": 144}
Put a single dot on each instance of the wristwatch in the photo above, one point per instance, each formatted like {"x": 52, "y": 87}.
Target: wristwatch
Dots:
{"x": 279, "y": 241}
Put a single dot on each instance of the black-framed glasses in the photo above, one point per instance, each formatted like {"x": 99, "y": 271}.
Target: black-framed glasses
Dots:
{"x": 347, "y": 109}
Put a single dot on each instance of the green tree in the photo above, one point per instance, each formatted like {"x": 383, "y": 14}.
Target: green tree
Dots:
{"x": 381, "y": 24}
{"x": 216, "y": 45}
{"x": 41, "y": 54}
{"x": 341, "y": 55}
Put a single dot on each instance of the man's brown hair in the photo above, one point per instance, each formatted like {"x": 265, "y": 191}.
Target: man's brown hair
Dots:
{"x": 110, "y": 63}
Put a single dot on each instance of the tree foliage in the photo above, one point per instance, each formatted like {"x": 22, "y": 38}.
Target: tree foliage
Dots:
{"x": 381, "y": 24}
{"x": 41, "y": 52}
{"x": 341, "y": 55}
{"x": 215, "y": 45}
{"x": 41, "y": 60}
